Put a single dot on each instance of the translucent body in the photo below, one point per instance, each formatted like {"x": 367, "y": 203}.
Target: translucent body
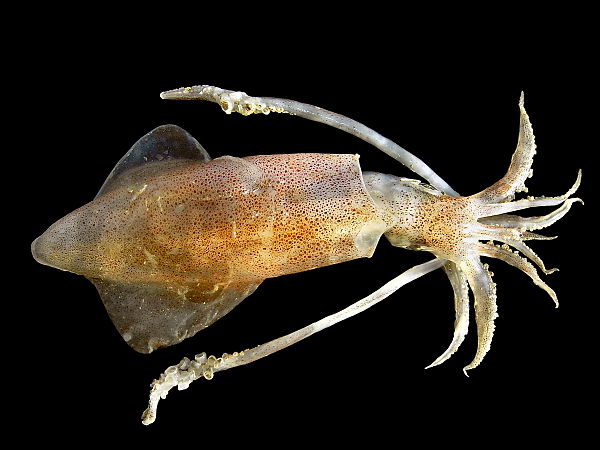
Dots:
{"x": 240, "y": 219}
{"x": 173, "y": 245}
{"x": 174, "y": 241}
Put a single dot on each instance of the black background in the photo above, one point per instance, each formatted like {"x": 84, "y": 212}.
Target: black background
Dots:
{"x": 453, "y": 103}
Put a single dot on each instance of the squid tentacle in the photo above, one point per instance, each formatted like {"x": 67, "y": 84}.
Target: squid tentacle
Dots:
{"x": 187, "y": 371}
{"x": 514, "y": 238}
{"x": 533, "y": 223}
{"x": 494, "y": 223}
{"x": 528, "y": 236}
{"x": 494, "y": 209}
{"x": 529, "y": 253}
{"x": 519, "y": 262}
{"x": 460, "y": 286}
{"x": 486, "y": 310}
{"x": 246, "y": 105}
{"x": 520, "y": 165}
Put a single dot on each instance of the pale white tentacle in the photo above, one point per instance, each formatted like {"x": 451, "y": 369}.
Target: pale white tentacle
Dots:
{"x": 484, "y": 291}
{"x": 244, "y": 104}
{"x": 494, "y": 209}
{"x": 533, "y": 223}
{"x": 459, "y": 284}
{"x": 520, "y": 165}
{"x": 529, "y": 253}
{"x": 519, "y": 262}
{"x": 187, "y": 371}
{"x": 513, "y": 237}
{"x": 528, "y": 236}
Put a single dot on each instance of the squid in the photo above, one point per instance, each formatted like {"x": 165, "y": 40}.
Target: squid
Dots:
{"x": 174, "y": 240}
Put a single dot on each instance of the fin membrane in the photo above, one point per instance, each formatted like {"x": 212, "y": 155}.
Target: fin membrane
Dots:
{"x": 168, "y": 144}
{"x": 153, "y": 315}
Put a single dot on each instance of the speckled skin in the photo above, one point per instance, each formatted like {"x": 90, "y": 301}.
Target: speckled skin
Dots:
{"x": 181, "y": 240}
{"x": 422, "y": 218}
{"x": 226, "y": 219}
